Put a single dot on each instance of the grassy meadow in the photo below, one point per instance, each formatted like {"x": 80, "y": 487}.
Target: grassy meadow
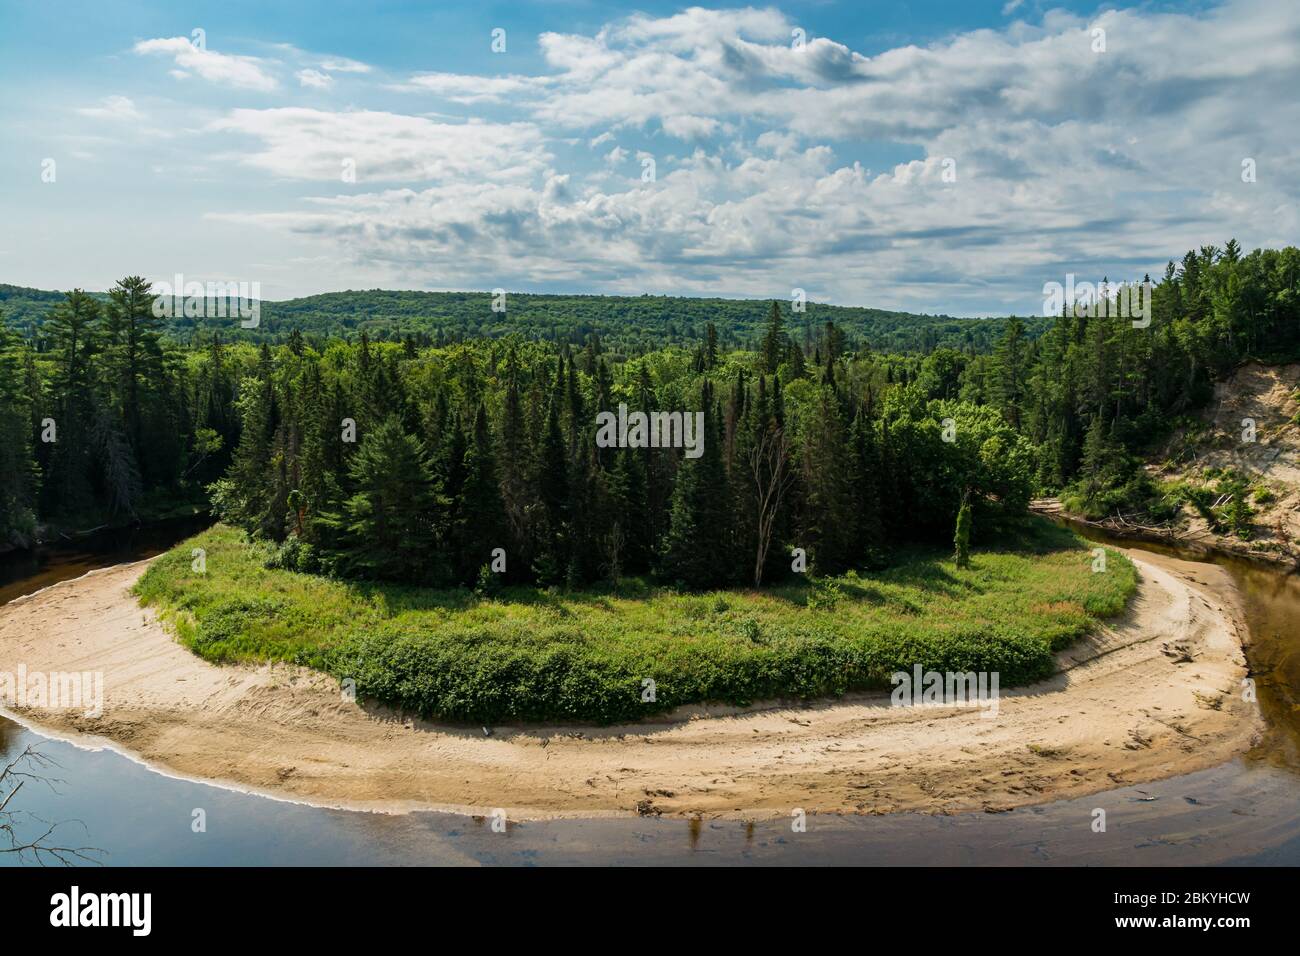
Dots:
{"x": 532, "y": 654}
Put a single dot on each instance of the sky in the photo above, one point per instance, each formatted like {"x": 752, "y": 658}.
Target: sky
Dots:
{"x": 933, "y": 157}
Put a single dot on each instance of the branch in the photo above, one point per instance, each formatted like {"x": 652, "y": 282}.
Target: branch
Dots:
{"x": 40, "y": 850}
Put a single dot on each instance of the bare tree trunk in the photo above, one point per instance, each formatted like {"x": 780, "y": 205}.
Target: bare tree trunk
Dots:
{"x": 769, "y": 462}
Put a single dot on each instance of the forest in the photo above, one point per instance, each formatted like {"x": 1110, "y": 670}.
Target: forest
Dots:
{"x": 625, "y": 324}
{"x": 411, "y": 459}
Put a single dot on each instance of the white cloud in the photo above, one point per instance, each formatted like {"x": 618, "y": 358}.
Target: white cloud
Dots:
{"x": 300, "y": 143}
{"x": 1063, "y": 159}
{"x": 112, "y": 108}
{"x": 244, "y": 72}
{"x": 315, "y": 79}
{"x": 688, "y": 127}
{"x": 460, "y": 88}
{"x": 341, "y": 64}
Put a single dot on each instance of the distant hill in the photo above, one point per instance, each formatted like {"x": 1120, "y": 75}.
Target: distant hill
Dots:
{"x": 629, "y": 323}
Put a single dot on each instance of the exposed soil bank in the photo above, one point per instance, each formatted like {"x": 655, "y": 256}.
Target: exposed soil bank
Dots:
{"x": 1265, "y": 398}
{"x": 1156, "y": 694}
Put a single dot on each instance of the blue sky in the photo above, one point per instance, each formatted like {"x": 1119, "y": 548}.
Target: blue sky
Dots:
{"x": 927, "y": 156}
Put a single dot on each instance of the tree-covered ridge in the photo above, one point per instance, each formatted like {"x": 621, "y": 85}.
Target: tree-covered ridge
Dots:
{"x": 627, "y": 324}
{"x": 414, "y": 460}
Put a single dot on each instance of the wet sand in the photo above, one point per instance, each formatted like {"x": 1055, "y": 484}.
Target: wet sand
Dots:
{"x": 1155, "y": 694}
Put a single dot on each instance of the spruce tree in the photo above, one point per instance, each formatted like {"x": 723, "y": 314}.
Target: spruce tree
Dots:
{"x": 697, "y": 549}
{"x": 135, "y": 354}
{"x": 553, "y": 487}
{"x": 19, "y": 475}
{"x": 386, "y": 523}
{"x": 481, "y": 520}
{"x": 73, "y": 328}
{"x": 774, "y": 341}
{"x": 868, "y": 527}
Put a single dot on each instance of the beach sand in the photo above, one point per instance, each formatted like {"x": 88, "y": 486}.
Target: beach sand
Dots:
{"x": 1155, "y": 693}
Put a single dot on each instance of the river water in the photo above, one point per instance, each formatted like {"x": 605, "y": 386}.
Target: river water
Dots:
{"x": 1246, "y": 811}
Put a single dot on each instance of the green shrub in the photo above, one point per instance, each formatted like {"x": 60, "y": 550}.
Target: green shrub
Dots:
{"x": 532, "y": 654}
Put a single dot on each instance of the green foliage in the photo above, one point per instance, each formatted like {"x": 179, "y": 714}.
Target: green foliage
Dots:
{"x": 1102, "y": 390}
{"x": 1235, "y": 511}
{"x": 1070, "y": 404}
{"x": 527, "y": 654}
{"x": 961, "y": 537}
{"x": 824, "y": 594}
{"x": 387, "y": 526}
{"x": 628, "y": 325}
{"x": 19, "y": 471}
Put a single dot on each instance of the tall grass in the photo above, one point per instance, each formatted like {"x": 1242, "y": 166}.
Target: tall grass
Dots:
{"x": 528, "y": 654}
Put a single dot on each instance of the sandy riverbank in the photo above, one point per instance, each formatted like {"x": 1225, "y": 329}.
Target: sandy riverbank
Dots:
{"x": 1155, "y": 694}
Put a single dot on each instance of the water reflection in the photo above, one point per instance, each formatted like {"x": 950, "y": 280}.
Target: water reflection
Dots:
{"x": 27, "y": 837}
{"x": 23, "y": 572}
{"x": 1243, "y": 812}
{"x": 1271, "y": 599}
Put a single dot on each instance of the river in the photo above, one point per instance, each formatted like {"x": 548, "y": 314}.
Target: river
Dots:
{"x": 1246, "y": 811}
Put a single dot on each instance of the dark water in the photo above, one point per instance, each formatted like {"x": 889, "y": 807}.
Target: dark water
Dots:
{"x": 22, "y": 572}
{"x": 1243, "y": 812}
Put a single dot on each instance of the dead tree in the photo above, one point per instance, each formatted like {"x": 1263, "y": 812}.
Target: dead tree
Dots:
{"x": 37, "y": 842}
{"x": 769, "y": 462}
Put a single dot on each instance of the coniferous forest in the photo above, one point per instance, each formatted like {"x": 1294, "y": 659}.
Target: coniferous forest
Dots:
{"x": 414, "y": 460}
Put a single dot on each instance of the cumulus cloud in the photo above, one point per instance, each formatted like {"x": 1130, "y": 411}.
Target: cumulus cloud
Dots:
{"x": 1029, "y": 154}
{"x": 245, "y": 72}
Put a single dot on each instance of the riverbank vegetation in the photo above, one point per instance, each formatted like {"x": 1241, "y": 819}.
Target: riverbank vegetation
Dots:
{"x": 105, "y": 408}
{"x": 461, "y": 478}
{"x": 528, "y": 653}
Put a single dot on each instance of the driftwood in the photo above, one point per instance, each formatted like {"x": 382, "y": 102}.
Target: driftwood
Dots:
{"x": 81, "y": 534}
{"x": 1120, "y": 525}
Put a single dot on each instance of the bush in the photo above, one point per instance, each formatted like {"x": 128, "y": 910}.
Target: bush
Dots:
{"x": 533, "y": 654}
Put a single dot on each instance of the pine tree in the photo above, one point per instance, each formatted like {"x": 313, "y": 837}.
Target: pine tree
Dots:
{"x": 73, "y": 327}
{"x": 1010, "y": 364}
{"x": 774, "y": 341}
{"x": 480, "y": 519}
{"x": 869, "y": 527}
{"x": 19, "y": 475}
{"x": 246, "y": 496}
{"x": 386, "y": 523}
{"x": 135, "y": 354}
{"x": 828, "y": 524}
{"x": 517, "y": 487}
{"x": 698, "y": 546}
{"x": 553, "y": 486}
{"x": 630, "y": 506}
